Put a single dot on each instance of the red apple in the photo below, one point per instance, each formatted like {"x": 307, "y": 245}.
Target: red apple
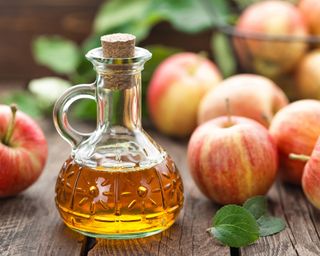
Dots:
{"x": 233, "y": 159}
{"x": 311, "y": 177}
{"x": 267, "y": 57}
{"x": 311, "y": 12}
{"x": 176, "y": 89}
{"x": 23, "y": 151}
{"x": 295, "y": 129}
{"x": 308, "y": 76}
{"x": 311, "y": 174}
{"x": 250, "y": 96}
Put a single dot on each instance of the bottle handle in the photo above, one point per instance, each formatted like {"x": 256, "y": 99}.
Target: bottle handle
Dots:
{"x": 61, "y": 108}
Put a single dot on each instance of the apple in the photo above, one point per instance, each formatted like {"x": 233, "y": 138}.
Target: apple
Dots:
{"x": 232, "y": 159}
{"x": 308, "y": 76}
{"x": 23, "y": 151}
{"x": 268, "y": 57}
{"x": 295, "y": 129}
{"x": 251, "y": 96}
{"x": 311, "y": 174}
{"x": 311, "y": 12}
{"x": 175, "y": 91}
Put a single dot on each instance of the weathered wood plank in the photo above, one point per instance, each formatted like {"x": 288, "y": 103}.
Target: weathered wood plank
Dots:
{"x": 301, "y": 236}
{"x": 187, "y": 236}
{"x": 29, "y": 222}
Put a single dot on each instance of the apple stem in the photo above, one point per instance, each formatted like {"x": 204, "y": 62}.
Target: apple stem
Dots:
{"x": 228, "y": 111}
{"x": 201, "y": 57}
{"x": 10, "y": 129}
{"x": 267, "y": 118}
{"x": 303, "y": 158}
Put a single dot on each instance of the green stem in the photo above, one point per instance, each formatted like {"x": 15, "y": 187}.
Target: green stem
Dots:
{"x": 303, "y": 158}
{"x": 10, "y": 129}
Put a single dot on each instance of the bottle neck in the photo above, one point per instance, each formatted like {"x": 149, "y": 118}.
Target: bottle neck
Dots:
{"x": 119, "y": 107}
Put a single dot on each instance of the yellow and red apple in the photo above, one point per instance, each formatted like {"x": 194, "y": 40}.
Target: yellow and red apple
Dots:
{"x": 308, "y": 76}
{"x": 311, "y": 13}
{"x": 175, "y": 90}
{"x": 23, "y": 151}
{"x": 311, "y": 174}
{"x": 251, "y": 96}
{"x": 311, "y": 177}
{"x": 295, "y": 129}
{"x": 269, "y": 57}
{"x": 232, "y": 159}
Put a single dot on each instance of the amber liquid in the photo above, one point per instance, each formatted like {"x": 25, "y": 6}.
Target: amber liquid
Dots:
{"x": 119, "y": 203}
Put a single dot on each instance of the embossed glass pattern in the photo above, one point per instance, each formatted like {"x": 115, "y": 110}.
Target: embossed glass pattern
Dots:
{"x": 118, "y": 182}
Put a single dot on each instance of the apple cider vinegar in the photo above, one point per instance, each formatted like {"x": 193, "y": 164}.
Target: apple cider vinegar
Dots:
{"x": 118, "y": 183}
{"x": 119, "y": 201}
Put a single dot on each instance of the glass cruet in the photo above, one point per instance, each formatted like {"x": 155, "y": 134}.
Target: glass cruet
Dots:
{"x": 117, "y": 183}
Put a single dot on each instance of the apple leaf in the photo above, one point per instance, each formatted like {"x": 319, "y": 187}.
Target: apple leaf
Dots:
{"x": 269, "y": 225}
{"x": 124, "y": 16}
{"x": 116, "y": 13}
{"x": 223, "y": 54}
{"x": 235, "y": 226}
{"x": 192, "y": 16}
{"x": 25, "y": 101}
{"x": 85, "y": 109}
{"x": 257, "y": 206}
{"x": 57, "y": 53}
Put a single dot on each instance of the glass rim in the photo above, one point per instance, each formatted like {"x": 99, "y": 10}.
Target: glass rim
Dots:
{"x": 141, "y": 55}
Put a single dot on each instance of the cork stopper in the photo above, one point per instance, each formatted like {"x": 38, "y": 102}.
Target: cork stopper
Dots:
{"x": 118, "y": 76}
{"x": 118, "y": 45}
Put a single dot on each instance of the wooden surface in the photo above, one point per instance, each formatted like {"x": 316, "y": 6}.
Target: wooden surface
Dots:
{"x": 30, "y": 224}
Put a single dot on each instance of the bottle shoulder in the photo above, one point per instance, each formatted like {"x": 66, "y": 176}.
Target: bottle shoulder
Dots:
{"x": 121, "y": 149}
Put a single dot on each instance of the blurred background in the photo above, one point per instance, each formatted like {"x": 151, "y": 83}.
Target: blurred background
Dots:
{"x": 41, "y": 39}
{"x": 22, "y": 21}
{"x": 43, "y": 43}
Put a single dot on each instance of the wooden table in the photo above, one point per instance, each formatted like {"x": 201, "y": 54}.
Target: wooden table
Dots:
{"x": 30, "y": 224}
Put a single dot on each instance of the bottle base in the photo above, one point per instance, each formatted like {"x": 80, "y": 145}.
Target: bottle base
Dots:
{"x": 120, "y": 236}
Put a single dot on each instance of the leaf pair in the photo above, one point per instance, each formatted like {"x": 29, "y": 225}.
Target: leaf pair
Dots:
{"x": 268, "y": 225}
{"x": 239, "y": 226}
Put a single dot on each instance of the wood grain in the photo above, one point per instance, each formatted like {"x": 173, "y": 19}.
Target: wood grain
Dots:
{"x": 29, "y": 223}
{"x": 301, "y": 236}
{"x": 188, "y": 235}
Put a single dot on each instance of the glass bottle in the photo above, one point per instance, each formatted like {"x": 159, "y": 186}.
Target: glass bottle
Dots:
{"x": 118, "y": 183}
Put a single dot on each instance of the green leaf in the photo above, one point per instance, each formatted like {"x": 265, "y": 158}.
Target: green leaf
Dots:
{"x": 85, "y": 110}
{"x": 25, "y": 101}
{"x": 223, "y": 54}
{"x": 270, "y": 225}
{"x": 57, "y": 53}
{"x": 192, "y": 16}
{"x": 267, "y": 225}
{"x": 48, "y": 89}
{"x": 128, "y": 18}
{"x": 116, "y": 13}
{"x": 257, "y": 206}
{"x": 235, "y": 226}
